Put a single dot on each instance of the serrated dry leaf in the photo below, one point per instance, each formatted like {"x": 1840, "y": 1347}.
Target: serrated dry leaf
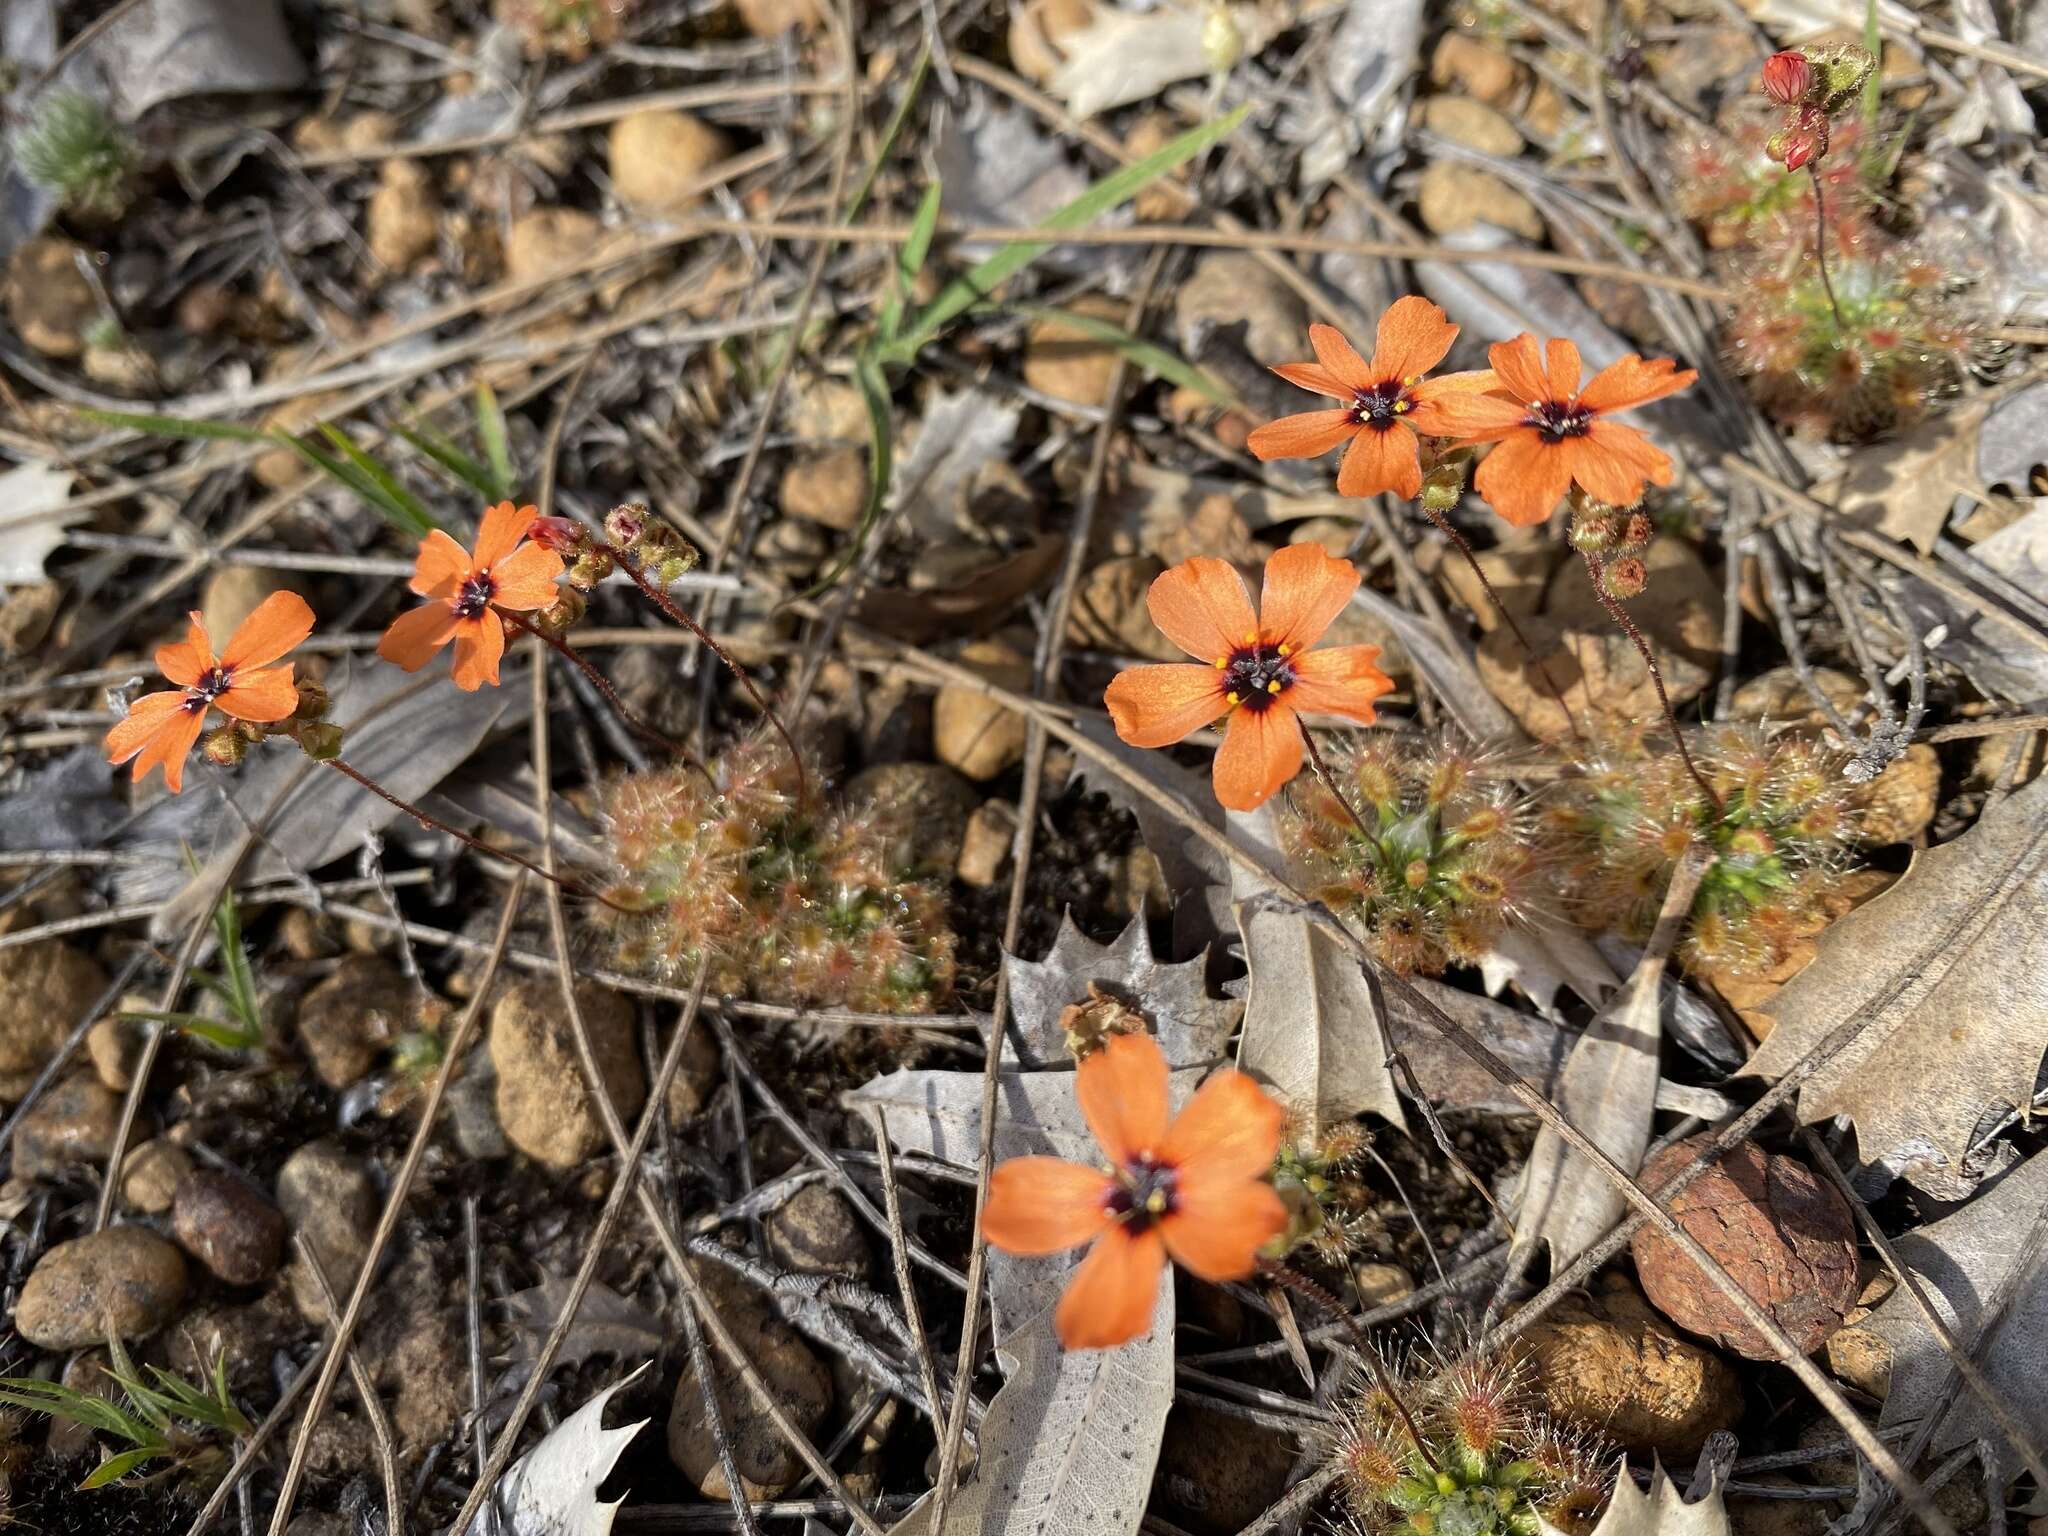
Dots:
{"x": 1311, "y": 1030}
{"x": 1965, "y": 1260}
{"x": 1660, "y": 1512}
{"x": 1542, "y": 962}
{"x": 1070, "y": 1430}
{"x": 1185, "y": 861}
{"x": 606, "y": 1323}
{"x": 552, "y": 1489}
{"x": 1192, "y": 1026}
{"x": 1906, "y": 488}
{"x": 1947, "y": 973}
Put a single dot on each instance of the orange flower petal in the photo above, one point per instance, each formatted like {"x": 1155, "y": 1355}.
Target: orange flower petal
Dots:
{"x": 1040, "y": 1205}
{"x": 415, "y": 636}
{"x": 1227, "y": 1134}
{"x": 1111, "y": 1298}
{"x": 261, "y": 696}
{"x": 183, "y": 661}
{"x": 1524, "y": 478}
{"x": 526, "y": 578}
{"x": 1157, "y": 706}
{"x": 1520, "y": 367}
{"x": 280, "y": 622}
{"x": 1261, "y": 751}
{"x": 503, "y": 527}
{"x": 1307, "y": 436}
{"x": 1564, "y": 369}
{"x": 170, "y": 746}
{"x": 1122, "y": 1093}
{"x": 1340, "y": 358}
{"x": 1201, "y": 606}
{"x": 440, "y": 567}
{"x": 1313, "y": 377}
{"x": 1381, "y": 459}
{"x": 1306, "y": 588}
{"x": 1612, "y": 461}
{"x": 1631, "y": 381}
{"x": 1465, "y": 414}
{"x": 1216, "y": 1231}
{"x": 1341, "y": 680}
{"x": 145, "y": 717}
{"x": 1413, "y": 338}
{"x": 479, "y": 644}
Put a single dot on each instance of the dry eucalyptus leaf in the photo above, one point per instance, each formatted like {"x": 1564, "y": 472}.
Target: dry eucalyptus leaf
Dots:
{"x": 1366, "y": 66}
{"x": 32, "y": 522}
{"x": 1126, "y": 56}
{"x": 552, "y": 1489}
{"x": 1947, "y": 975}
{"x": 972, "y": 606}
{"x": 174, "y": 48}
{"x": 1660, "y": 1512}
{"x": 1991, "y": 1247}
{"x": 2014, "y": 440}
{"x": 1609, "y": 1091}
{"x": 962, "y": 430}
{"x": 1446, "y": 665}
{"x": 1312, "y": 1032}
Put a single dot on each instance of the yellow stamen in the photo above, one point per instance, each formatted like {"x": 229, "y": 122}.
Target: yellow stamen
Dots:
{"x": 1400, "y": 407}
{"x": 1232, "y": 698}
{"x": 1220, "y": 663}
{"x": 1274, "y": 686}
{"x": 1155, "y": 1202}
{"x": 1252, "y": 638}
{"x": 1411, "y": 381}
{"x": 1286, "y": 651}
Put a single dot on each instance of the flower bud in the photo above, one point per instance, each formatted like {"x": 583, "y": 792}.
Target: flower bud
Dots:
{"x": 590, "y": 569}
{"x": 1222, "y": 42}
{"x": 626, "y": 525}
{"x": 563, "y": 614}
{"x": 1803, "y": 141}
{"x": 1444, "y": 485}
{"x": 1841, "y": 73}
{"x": 564, "y": 535}
{"x": 1638, "y": 530}
{"x": 1594, "y": 528}
{"x": 1787, "y": 77}
{"x": 226, "y": 746}
{"x": 1625, "y": 577}
{"x": 319, "y": 740}
{"x": 313, "y": 700}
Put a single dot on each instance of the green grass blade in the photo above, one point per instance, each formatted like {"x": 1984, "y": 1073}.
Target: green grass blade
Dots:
{"x": 874, "y": 394}
{"x": 1160, "y": 362}
{"x": 1873, "y": 88}
{"x": 397, "y": 503}
{"x": 227, "y": 926}
{"x": 890, "y": 135}
{"x": 490, "y": 430}
{"x": 979, "y": 284}
{"x": 114, "y": 1468}
{"x": 178, "y": 426}
{"x": 909, "y": 263}
{"x": 460, "y": 466}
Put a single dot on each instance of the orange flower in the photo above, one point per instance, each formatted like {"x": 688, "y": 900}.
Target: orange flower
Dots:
{"x": 505, "y": 572}
{"x": 1259, "y": 668}
{"x": 161, "y": 727}
{"x": 1194, "y": 1189}
{"x": 1389, "y": 400}
{"x": 1551, "y": 432}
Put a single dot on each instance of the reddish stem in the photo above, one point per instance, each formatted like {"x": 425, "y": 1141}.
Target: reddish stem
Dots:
{"x": 598, "y": 681}
{"x": 358, "y": 776}
{"x": 1294, "y": 1280}
{"x": 661, "y": 600}
{"x": 1542, "y": 669}
{"x": 1628, "y": 627}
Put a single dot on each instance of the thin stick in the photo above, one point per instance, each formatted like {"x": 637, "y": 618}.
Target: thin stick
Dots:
{"x": 1820, "y": 246}
{"x": 1375, "y": 1367}
{"x": 366, "y": 1389}
{"x": 899, "y": 1244}
{"x": 1628, "y": 627}
{"x": 1514, "y": 627}
{"x": 437, "y": 825}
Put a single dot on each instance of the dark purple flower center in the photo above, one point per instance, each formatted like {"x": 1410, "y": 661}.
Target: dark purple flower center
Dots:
{"x": 1560, "y": 419}
{"x": 1257, "y": 674}
{"x": 212, "y": 683}
{"x": 1382, "y": 405}
{"x": 1145, "y": 1192}
{"x": 475, "y": 596}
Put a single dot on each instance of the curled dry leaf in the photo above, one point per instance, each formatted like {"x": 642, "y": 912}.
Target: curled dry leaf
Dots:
{"x": 1125, "y": 56}
{"x": 1944, "y": 978}
{"x": 1312, "y": 1030}
{"x": 32, "y": 518}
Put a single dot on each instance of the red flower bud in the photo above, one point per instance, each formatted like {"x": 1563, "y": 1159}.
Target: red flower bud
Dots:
{"x": 1788, "y": 76}
{"x": 1802, "y": 141}
{"x": 564, "y": 535}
